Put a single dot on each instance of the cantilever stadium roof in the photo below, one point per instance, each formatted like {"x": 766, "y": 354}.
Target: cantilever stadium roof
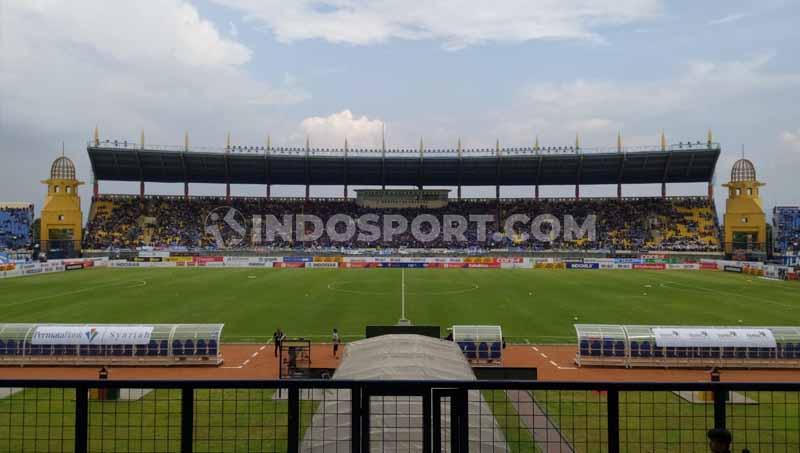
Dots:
{"x": 117, "y": 161}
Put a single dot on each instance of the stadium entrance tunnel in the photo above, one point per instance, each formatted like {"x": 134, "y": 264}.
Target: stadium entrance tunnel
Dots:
{"x": 398, "y": 418}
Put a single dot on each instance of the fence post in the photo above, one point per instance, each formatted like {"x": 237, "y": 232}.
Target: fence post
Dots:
{"x": 187, "y": 419}
{"x": 612, "y": 406}
{"x": 462, "y": 400}
{"x": 81, "y": 419}
{"x": 355, "y": 419}
{"x": 720, "y": 398}
{"x": 293, "y": 434}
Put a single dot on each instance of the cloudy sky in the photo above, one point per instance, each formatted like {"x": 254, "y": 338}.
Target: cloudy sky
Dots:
{"x": 442, "y": 69}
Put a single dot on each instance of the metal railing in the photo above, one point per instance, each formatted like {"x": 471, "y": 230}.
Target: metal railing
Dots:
{"x": 360, "y": 416}
{"x": 401, "y": 152}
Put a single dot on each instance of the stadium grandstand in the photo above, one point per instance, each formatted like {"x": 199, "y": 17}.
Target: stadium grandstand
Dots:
{"x": 657, "y": 223}
{"x": 16, "y": 220}
{"x": 786, "y": 230}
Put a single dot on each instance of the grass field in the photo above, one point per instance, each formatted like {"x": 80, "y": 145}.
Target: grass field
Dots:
{"x": 533, "y": 305}
{"x": 537, "y": 305}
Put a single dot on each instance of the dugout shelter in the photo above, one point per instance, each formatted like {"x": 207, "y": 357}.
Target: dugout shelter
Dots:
{"x": 480, "y": 344}
{"x": 110, "y": 344}
{"x": 688, "y": 346}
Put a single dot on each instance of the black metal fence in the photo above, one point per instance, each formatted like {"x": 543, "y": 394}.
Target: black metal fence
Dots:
{"x": 397, "y": 416}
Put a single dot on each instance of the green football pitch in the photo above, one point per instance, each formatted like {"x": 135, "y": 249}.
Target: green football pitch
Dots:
{"x": 533, "y": 305}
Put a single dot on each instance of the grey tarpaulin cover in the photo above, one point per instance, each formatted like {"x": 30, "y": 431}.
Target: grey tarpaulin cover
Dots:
{"x": 396, "y": 422}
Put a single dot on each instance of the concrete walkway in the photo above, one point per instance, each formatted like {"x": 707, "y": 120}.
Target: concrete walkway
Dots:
{"x": 544, "y": 432}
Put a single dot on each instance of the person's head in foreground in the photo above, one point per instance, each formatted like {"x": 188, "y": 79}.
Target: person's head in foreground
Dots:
{"x": 719, "y": 440}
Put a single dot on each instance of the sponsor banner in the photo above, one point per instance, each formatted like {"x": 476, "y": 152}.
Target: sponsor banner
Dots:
{"x": 297, "y": 259}
{"x": 322, "y": 265}
{"x": 511, "y": 260}
{"x": 549, "y": 266}
{"x": 204, "y": 260}
{"x": 8, "y": 267}
{"x": 583, "y": 265}
{"x": 402, "y": 265}
{"x": 215, "y": 264}
{"x": 522, "y": 265}
{"x": 269, "y": 259}
{"x": 599, "y": 260}
{"x": 147, "y": 259}
{"x": 180, "y": 259}
{"x": 708, "y": 266}
{"x": 483, "y": 265}
{"x": 729, "y": 268}
{"x": 289, "y": 265}
{"x": 606, "y": 265}
{"x": 481, "y": 260}
{"x": 684, "y": 266}
{"x": 455, "y": 265}
{"x": 650, "y": 266}
{"x": 237, "y": 259}
{"x": 435, "y": 265}
{"x": 628, "y": 260}
{"x": 100, "y": 335}
{"x": 792, "y": 276}
{"x": 154, "y": 254}
{"x": 654, "y": 256}
{"x": 699, "y": 337}
{"x": 120, "y": 263}
{"x": 327, "y": 259}
{"x": 73, "y": 266}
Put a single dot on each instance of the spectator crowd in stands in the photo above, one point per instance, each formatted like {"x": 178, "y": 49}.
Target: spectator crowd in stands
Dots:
{"x": 15, "y": 226}
{"x": 688, "y": 224}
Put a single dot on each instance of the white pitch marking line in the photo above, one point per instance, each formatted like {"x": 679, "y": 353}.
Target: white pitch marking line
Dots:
{"x": 543, "y": 354}
{"x": 535, "y": 348}
{"x": 262, "y": 348}
{"x": 554, "y": 364}
{"x": 232, "y": 367}
{"x": 253, "y": 356}
{"x": 245, "y": 362}
{"x": 567, "y": 368}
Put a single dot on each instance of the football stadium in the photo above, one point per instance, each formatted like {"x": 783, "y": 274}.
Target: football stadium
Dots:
{"x": 403, "y": 317}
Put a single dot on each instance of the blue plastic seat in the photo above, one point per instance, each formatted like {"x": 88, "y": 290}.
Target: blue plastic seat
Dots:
{"x": 670, "y": 351}
{"x": 483, "y": 350}
{"x": 634, "y": 349}
{"x": 596, "y": 348}
{"x": 608, "y": 348}
{"x": 58, "y": 349}
{"x": 94, "y": 350}
{"x": 188, "y": 347}
{"x": 71, "y": 350}
{"x": 202, "y": 349}
{"x": 496, "y": 350}
{"x": 658, "y": 351}
{"x": 118, "y": 350}
{"x": 177, "y": 347}
{"x": 584, "y": 347}
{"x": 619, "y": 349}
{"x": 2, "y": 347}
{"x": 788, "y": 351}
{"x": 212, "y": 347}
{"x": 11, "y": 347}
{"x": 741, "y": 353}
{"x": 644, "y": 349}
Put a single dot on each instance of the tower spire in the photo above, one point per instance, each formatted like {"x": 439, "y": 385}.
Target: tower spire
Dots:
{"x": 710, "y": 138}
{"x": 536, "y": 144}
{"x": 141, "y": 140}
{"x": 577, "y": 142}
{"x": 228, "y": 142}
{"x": 663, "y": 141}
{"x": 619, "y": 141}
{"x": 186, "y": 141}
{"x": 421, "y": 147}
{"x": 96, "y": 136}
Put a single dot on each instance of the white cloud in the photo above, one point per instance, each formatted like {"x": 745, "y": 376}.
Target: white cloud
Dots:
{"x": 730, "y": 18}
{"x": 792, "y": 139}
{"x": 233, "y": 30}
{"x": 456, "y": 23}
{"x": 698, "y": 88}
{"x": 331, "y": 131}
{"x": 125, "y": 66}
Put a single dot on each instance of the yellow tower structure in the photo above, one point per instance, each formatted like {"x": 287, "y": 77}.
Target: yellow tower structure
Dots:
{"x": 745, "y": 221}
{"x": 62, "y": 217}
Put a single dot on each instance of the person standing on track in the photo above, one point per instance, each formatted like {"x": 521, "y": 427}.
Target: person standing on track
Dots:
{"x": 336, "y": 341}
{"x": 277, "y": 338}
